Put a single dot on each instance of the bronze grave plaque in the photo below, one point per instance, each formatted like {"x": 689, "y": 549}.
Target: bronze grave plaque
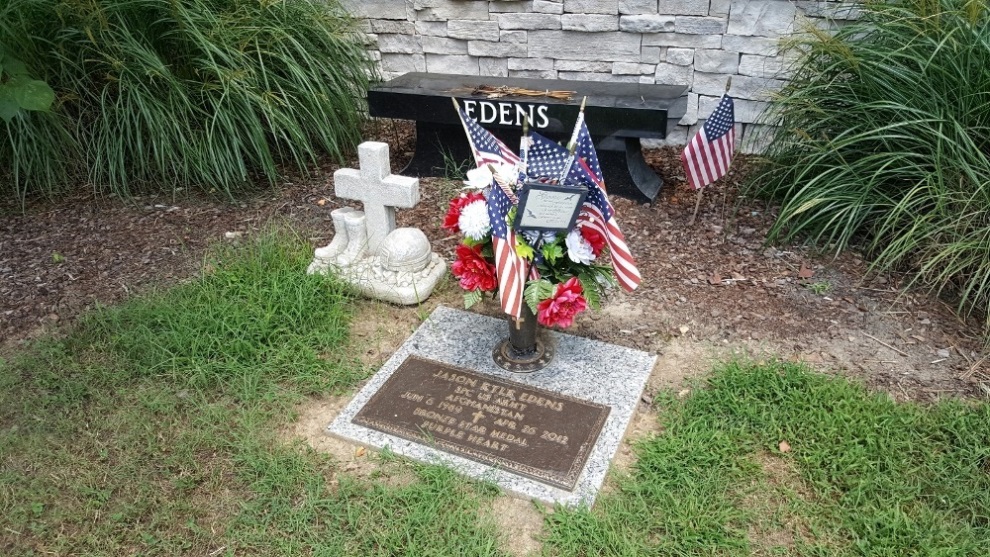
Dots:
{"x": 530, "y": 431}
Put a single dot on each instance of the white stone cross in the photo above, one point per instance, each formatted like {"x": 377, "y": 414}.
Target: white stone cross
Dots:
{"x": 378, "y": 189}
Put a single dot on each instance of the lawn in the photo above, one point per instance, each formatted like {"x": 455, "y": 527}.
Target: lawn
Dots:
{"x": 153, "y": 427}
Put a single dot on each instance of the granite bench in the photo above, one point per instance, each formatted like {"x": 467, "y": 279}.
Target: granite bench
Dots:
{"x": 618, "y": 115}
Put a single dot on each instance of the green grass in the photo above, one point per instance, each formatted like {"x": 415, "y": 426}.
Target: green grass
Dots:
{"x": 153, "y": 428}
{"x": 883, "y": 145}
{"x": 864, "y": 476}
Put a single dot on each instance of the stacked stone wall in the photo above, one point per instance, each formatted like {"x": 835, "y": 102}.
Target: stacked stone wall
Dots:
{"x": 697, "y": 43}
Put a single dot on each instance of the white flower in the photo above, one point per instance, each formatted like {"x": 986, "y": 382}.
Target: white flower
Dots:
{"x": 478, "y": 178}
{"x": 474, "y": 221}
{"x": 578, "y": 249}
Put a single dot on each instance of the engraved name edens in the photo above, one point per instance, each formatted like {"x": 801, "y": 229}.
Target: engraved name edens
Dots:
{"x": 507, "y": 113}
{"x": 525, "y": 397}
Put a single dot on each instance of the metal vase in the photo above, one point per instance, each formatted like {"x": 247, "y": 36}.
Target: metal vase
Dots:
{"x": 524, "y": 351}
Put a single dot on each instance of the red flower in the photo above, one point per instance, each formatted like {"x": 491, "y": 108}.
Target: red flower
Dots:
{"x": 559, "y": 310}
{"x": 594, "y": 238}
{"x": 474, "y": 271}
{"x": 454, "y": 212}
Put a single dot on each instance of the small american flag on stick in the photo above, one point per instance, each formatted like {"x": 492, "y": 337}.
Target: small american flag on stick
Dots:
{"x": 510, "y": 268}
{"x": 707, "y": 156}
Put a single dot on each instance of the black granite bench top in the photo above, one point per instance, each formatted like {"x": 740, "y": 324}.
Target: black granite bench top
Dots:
{"x": 612, "y": 109}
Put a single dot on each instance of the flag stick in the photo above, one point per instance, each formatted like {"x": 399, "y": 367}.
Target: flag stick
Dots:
{"x": 697, "y": 201}
{"x": 572, "y": 146}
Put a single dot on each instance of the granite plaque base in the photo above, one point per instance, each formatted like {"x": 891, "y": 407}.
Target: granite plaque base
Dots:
{"x": 602, "y": 375}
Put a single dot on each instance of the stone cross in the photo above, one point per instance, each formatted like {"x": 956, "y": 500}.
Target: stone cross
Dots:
{"x": 378, "y": 189}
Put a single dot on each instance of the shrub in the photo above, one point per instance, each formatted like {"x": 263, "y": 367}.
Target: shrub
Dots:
{"x": 180, "y": 93}
{"x": 885, "y": 140}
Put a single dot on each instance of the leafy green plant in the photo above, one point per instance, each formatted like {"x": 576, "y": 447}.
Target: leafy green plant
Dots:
{"x": 18, "y": 91}
{"x": 885, "y": 143}
{"x": 200, "y": 93}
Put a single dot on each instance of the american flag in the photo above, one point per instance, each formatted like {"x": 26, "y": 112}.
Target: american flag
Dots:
{"x": 597, "y": 212}
{"x": 546, "y": 159}
{"x": 486, "y": 148}
{"x": 509, "y": 267}
{"x": 707, "y": 157}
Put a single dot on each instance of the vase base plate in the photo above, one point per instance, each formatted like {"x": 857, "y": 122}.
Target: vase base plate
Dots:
{"x": 507, "y": 358}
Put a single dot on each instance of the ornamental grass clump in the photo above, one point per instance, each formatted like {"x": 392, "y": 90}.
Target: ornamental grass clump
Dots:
{"x": 216, "y": 94}
{"x": 884, "y": 144}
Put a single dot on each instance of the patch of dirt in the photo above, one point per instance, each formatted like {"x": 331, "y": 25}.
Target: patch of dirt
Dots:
{"x": 776, "y": 526}
{"x": 520, "y": 525}
{"x": 314, "y": 415}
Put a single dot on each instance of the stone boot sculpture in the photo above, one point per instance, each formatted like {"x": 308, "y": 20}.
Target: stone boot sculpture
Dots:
{"x": 380, "y": 261}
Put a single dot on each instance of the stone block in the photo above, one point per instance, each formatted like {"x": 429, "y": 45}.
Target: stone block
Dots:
{"x": 683, "y": 7}
{"x": 751, "y": 45}
{"x": 546, "y": 7}
{"x": 594, "y": 76}
{"x": 512, "y": 37}
{"x": 833, "y": 10}
{"x": 672, "y": 74}
{"x": 589, "y": 23}
{"x": 431, "y": 28}
{"x": 756, "y": 138}
{"x": 403, "y": 63}
{"x": 743, "y": 87}
{"x": 528, "y": 21}
{"x": 693, "y": 25}
{"x": 614, "y": 46}
{"x": 473, "y": 30}
{"x": 635, "y": 7}
{"x": 503, "y": 50}
{"x": 650, "y": 55}
{"x": 719, "y": 7}
{"x": 447, "y": 10}
{"x": 393, "y": 26}
{"x": 452, "y": 63}
{"x": 495, "y": 67}
{"x": 647, "y": 23}
{"x": 534, "y": 74}
{"x": 761, "y": 18}
{"x": 443, "y": 45}
{"x": 591, "y": 7}
{"x": 762, "y": 66}
{"x": 509, "y": 7}
{"x": 632, "y": 68}
{"x": 746, "y": 111}
{"x": 680, "y": 56}
{"x": 530, "y": 64}
{"x": 399, "y": 44}
{"x": 375, "y": 9}
{"x": 582, "y": 66}
{"x": 691, "y": 115}
{"x": 716, "y": 61}
{"x": 681, "y": 40}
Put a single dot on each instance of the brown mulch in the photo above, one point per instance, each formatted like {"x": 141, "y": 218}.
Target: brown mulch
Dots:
{"x": 712, "y": 283}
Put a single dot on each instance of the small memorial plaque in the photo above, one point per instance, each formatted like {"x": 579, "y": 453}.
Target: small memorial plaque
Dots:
{"x": 549, "y": 207}
{"x": 530, "y": 431}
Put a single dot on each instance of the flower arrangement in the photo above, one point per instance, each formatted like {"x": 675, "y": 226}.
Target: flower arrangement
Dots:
{"x": 566, "y": 274}
{"x": 556, "y": 273}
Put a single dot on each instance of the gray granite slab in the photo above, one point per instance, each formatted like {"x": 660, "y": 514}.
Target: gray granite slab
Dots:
{"x": 587, "y": 369}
